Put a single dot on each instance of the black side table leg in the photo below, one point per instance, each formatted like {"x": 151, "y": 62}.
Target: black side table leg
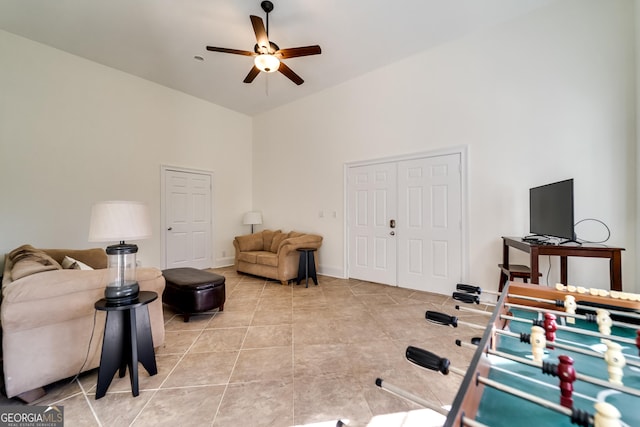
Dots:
{"x": 311, "y": 262}
{"x": 146, "y": 353}
{"x": 112, "y": 351}
{"x": 306, "y": 269}
{"x": 133, "y": 354}
{"x": 302, "y": 263}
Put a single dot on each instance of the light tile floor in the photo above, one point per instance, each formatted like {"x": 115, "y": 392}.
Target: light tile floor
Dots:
{"x": 285, "y": 356}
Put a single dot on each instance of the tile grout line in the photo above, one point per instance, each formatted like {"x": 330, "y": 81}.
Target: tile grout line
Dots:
{"x": 293, "y": 366}
{"x": 155, "y": 391}
{"x": 86, "y": 397}
{"x": 226, "y": 386}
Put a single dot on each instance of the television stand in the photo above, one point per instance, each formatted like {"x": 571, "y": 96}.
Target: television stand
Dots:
{"x": 585, "y": 250}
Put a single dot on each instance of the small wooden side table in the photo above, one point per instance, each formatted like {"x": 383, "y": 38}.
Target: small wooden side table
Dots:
{"x": 307, "y": 266}
{"x": 127, "y": 341}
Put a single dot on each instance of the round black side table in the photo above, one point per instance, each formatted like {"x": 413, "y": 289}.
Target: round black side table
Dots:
{"x": 127, "y": 341}
{"x": 307, "y": 266}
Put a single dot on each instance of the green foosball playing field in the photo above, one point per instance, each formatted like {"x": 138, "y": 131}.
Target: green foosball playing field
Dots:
{"x": 497, "y": 405}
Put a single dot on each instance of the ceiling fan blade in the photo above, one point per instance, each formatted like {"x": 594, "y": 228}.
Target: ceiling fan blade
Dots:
{"x": 234, "y": 51}
{"x": 295, "y": 52}
{"x": 261, "y": 33}
{"x": 252, "y": 74}
{"x": 290, "y": 74}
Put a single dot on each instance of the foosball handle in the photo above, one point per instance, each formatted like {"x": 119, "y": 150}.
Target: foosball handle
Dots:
{"x": 469, "y": 288}
{"x": 465, "y": 297}
{"x": 427, "y": 360}
{"x": 474, "y": 341}
{"x": 441, "y": 318}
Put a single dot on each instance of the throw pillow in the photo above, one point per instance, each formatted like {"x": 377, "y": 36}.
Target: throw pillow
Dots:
{"x": 250, "y": 242}
{"x": 28, "y": 260}
{"x": 267, "y": 237}
{"x": 69, "y": 263}
{"x": 74, "y": 264}
{"x": 278, "y": 237}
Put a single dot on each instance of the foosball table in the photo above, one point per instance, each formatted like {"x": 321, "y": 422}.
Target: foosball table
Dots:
{"x": 547, "y": 356}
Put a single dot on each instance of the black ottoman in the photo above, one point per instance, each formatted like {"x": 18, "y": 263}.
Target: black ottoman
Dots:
{"x": 189, "y": 290}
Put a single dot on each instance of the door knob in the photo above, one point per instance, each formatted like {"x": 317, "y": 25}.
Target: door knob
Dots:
{"x": 392, "y": 223}
{"x": 393, "y": 233}
{"x": 170, "y": 228}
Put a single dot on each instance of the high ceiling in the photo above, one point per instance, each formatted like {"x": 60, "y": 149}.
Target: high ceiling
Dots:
{"x": 158, "y": 39}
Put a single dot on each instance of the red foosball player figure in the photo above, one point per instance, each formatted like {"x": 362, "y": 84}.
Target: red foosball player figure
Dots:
{"x": 567, "y": 375}
{"x": 550, "y": 328}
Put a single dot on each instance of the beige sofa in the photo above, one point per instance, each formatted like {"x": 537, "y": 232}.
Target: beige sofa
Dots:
{"x": 47, "y": 316}
{"x": 273, "y": 254}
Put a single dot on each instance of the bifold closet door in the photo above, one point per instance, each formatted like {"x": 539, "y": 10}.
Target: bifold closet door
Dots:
{"x": 405, "y": 223}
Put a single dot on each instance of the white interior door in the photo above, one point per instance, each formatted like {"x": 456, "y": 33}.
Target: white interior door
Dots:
{"x": 423, "y": 196}
{"x": 429, "y": 223}
{"x": 372, "y": 203}
{"x": 187, "y": 213}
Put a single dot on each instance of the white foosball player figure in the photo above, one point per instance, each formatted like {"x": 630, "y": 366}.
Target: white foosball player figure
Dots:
{"x": 538, "y": 343}
{"x": 603, "y": 318}
{"x": 615, "y": 361}
{"x": 570, "y": 306}
{"x": 606, "y": 415}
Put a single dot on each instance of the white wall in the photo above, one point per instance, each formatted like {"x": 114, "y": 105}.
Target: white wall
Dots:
{"x": 73, "y": 132}
{"x": 637, "y": 120}
{"x": 546, "y": 97}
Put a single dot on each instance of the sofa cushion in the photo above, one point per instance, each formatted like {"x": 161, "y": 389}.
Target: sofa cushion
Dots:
{"x": 250, "y": 242}
{"x": 27, "y": 260}
{"x": 251, "y": 257}
{"x": 295, "y": 234}
{"x": 267, "y": 258}
{"x": 277, "y": 239}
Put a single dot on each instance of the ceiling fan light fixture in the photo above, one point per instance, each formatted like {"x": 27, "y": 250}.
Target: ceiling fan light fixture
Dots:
{"x": 267, "y": 63}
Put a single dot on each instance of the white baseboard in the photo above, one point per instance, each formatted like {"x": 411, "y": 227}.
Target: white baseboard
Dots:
{"x": 331, "y": 271}
{"x": 323, "y": 270}
{"x": 224, "y": 262}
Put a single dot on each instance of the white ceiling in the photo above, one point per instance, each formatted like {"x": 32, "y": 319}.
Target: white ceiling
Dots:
{"x": 158, "y": 39}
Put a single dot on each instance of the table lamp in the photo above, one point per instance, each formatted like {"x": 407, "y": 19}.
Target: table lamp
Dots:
{"x": 252, "y": 218}
{"x": 119, "y": 221}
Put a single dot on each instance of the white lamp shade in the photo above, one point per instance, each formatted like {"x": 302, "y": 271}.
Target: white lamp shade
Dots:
{"x": 252, "y": 218}
{"x": 119, "y": 221}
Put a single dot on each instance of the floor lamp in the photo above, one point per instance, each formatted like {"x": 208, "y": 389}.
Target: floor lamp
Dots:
{"x": 252, "y": 218}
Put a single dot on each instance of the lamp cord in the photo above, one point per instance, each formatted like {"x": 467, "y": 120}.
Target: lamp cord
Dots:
{"x": 86, "y": 357}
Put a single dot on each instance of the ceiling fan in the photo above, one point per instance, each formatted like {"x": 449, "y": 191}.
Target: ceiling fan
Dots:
{"x": 268, "y": 56}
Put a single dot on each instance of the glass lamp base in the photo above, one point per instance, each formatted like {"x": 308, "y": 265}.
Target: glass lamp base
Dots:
{"x": 118, "y": 294}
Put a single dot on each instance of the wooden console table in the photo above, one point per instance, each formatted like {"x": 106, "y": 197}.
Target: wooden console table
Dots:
{"x": 564, "y": 251}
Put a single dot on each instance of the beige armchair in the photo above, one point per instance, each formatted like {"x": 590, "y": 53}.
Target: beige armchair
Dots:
{"x": 273, "y": 254}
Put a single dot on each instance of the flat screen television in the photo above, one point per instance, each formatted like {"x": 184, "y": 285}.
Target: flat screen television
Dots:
{"x": 551, "y": 210}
